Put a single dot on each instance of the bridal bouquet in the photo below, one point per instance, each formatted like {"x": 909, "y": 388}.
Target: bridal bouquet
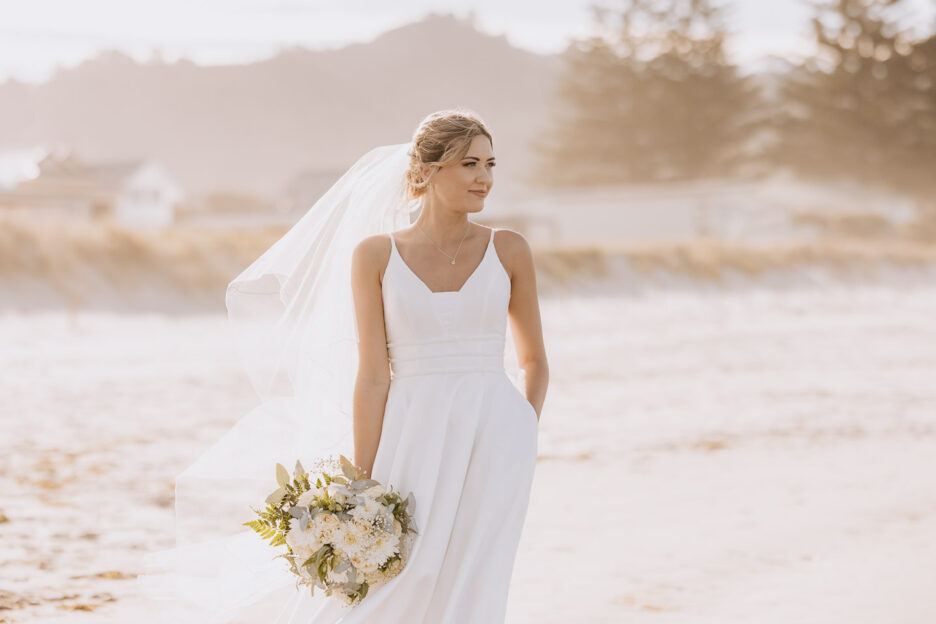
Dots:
{"x": 343, "y": 532}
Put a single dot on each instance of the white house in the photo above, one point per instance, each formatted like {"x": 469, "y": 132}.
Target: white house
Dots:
{"x": 135, "y": 192}
{"x": 143, "y": 192}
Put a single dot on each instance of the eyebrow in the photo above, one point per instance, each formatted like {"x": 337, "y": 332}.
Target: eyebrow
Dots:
{"x": 476, "y": 158}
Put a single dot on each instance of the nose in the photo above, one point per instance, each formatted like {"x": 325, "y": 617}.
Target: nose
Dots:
{"x": 487, "y": 176}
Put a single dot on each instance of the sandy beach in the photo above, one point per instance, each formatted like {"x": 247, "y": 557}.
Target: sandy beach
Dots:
{"x": 749, "y": 455}
{"x": 731, "y": 211}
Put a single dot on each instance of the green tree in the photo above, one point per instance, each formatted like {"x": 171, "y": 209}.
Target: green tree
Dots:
{"x": 915, "y": 128}
{"x": 650, "y": 96}
{"x": 862, "y": 106}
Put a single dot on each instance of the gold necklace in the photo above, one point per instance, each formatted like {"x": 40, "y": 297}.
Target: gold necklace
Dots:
{"x": 439, "y": 248}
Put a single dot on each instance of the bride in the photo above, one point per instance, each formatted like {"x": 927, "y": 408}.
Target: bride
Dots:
{"x": 371, "y": 336}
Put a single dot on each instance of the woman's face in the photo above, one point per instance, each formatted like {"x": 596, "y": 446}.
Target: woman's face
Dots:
{"x": 453, "y": 185}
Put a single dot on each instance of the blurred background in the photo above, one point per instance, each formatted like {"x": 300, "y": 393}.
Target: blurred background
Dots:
{"x": 732, "y": 211}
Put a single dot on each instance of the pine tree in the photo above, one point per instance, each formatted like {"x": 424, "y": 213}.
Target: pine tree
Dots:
{"x": 915, "y": 129}
{"x": 858, "y": 108}
{"x": 651, "y": 96}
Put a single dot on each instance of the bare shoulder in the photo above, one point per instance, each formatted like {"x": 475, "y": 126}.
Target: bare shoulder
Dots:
{"x": 371, "y": 254}
{"x": 513, "y": 249}
{"x": 510, "y": 243}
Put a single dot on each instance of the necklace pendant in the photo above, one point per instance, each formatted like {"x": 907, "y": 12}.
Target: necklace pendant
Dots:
{"x": 453, "y": 260}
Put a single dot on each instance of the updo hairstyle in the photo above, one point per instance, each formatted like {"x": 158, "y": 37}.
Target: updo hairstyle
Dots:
{"x": 442, "y": 138}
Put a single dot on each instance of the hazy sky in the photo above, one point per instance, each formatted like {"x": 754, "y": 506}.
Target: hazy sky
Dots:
{"x": 37, "y": 35}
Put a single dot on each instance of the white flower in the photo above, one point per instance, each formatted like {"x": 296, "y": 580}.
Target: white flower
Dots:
{"x": 381, "y": 547}
{"x": 333, "y": 491}
{"x": 392, "y": 570}
{"x": 325, "y": 525}
{"x": 385, "y": 546}
{"x": 301, "y": 553}
{"x": 353, "y": 537}
{"x": 337, "y": 577}
{"x": 306, "y": 498}
{"x": 363, "y": 563}
{"x": 375, "y": 490}
{"x": 302, "y": 540}
{"x": 367, "y": 510}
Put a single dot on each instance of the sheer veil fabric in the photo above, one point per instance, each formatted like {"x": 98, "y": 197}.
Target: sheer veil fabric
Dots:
{"x": 292, "y": 320}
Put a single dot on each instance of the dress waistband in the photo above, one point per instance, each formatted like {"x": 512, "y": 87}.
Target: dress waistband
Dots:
{"x": 451, "y": 354}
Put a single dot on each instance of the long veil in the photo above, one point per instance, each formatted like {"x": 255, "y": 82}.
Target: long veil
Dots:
{"x": 292, "y": 319}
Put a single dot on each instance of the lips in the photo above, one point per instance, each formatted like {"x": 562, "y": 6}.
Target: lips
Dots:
{"x": 479, "y": 193}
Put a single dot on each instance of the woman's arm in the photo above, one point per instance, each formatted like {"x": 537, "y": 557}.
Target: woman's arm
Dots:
{"x": 524, "y": 314}
{"x": 373, "y": 376}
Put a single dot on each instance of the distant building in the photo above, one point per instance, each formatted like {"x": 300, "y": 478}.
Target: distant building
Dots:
{"x": 135, "y": 192}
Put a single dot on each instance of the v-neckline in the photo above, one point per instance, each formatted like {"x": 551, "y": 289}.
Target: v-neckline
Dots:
{"x": 444, "y": 292}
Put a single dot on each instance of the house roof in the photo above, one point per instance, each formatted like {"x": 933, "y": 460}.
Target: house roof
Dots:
{"x": 114, "y": 174}
{"x": 68, "y": 165}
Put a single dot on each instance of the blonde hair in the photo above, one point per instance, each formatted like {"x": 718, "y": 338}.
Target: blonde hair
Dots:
{"x": 442, "y": 138}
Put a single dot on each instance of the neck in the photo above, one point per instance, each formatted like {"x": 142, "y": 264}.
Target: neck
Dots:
{"x": 444, "y": 226}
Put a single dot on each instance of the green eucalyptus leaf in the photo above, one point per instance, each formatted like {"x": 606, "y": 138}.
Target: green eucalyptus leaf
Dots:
{"x": 320, "y": 553}
{"x": 363, "y": 484}
{"x": 276, "y": 497}
{"x": 348, "y": 468}
{"x": 344, "y": 491}
{"x": 282, "y": 475}
{"x": 296, "y": 512}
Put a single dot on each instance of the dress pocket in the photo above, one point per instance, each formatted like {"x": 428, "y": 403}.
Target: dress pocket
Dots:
{"x": 529, "y": 406}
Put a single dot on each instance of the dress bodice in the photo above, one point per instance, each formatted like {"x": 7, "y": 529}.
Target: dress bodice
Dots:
{"x": 461, "y": 330}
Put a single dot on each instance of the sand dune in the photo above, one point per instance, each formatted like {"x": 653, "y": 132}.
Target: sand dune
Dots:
{"x": 79, "y": 264}
{"x": 100, "y": 266}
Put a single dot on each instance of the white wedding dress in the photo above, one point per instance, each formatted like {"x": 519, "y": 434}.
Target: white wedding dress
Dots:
{"x": 457, "y": 434}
